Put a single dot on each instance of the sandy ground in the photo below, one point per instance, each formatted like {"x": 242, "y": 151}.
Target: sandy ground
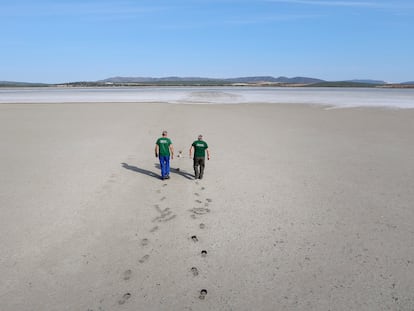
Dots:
{"x": 301, "y": 208}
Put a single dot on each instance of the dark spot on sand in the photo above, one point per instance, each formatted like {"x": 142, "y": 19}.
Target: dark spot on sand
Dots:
{"x": 203, "y": 294}
{"x": 127, "y": 275}
{"x": 194, "y": 270}
{"x": 124, "y": 298}
{"x": 203, "y": 253}
{"x": 144, "y": 258}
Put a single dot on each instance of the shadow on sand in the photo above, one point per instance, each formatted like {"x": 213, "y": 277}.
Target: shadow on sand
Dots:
{"x": 139, "y": 170}
{"x": 152, "y": 174}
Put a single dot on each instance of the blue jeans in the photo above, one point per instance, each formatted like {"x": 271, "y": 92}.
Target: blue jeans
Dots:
{"x": 165, "y": 165}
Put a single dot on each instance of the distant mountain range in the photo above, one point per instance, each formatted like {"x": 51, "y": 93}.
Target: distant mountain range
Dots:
{"x": 253, "y": 80}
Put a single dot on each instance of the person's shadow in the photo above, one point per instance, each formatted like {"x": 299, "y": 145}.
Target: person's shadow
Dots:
{"x": 139, "y": 170}
{"x": 152, "y": 174}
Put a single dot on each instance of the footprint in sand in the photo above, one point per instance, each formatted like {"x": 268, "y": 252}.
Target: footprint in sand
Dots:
{"x": 203, "y": 294}
{"x": 200, "y": 210}
{"x": 203, "y": 188}
{"x": 166, "y": 214}
{"x": 164, "y": 218}
{"x": 202, "y": 226}
{"x": 144, "y": 242}
{"x": 163, "y": 198}
{"x": 127, "y": 275}
{"x": 198, "y": 201}
{"x": 144, "y": 259}
{"x": 153, "y": 229}
{"x": 203, "y": 253}
{"x": 209, "y": 200}
{"x": 197, "y": 194}
{"x": 194, "y": 238}
{"x": 124, "y": 298}
{"x": 194, "y": 270}
{"x": 169, "y": 218}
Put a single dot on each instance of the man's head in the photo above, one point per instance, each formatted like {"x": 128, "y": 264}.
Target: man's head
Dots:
{"x": 200, "y": 137}
{"x": 164, "y": 133}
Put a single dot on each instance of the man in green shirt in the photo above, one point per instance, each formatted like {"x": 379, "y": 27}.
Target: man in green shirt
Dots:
{"x": 163, "y": 150}
{"x": 200, "y": 148}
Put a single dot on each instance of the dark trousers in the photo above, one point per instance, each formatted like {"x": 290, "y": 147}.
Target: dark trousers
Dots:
{"x": 199, "y": 164}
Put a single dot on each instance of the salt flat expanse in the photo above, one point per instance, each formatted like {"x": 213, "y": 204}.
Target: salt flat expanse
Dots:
{"x": 300, "y": 208}
{"x": 336, "y": 97}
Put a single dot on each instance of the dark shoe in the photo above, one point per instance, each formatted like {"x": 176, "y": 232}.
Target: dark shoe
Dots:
{"x": 201, "y": 177}
{"x": 167, "y": 177}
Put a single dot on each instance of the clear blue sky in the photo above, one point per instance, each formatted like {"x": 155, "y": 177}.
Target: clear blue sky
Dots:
{"x": 85, "y": 40}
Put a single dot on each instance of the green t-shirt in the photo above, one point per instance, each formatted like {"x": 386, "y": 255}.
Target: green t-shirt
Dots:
{"x": 164, "y": 146}
{"x": 200, "y": 147}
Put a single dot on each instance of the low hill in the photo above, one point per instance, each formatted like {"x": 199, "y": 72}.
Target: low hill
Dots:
{"x": 342, "y": 84}
{"x": 20, "y": 84}
{"x": 367, "y": 81}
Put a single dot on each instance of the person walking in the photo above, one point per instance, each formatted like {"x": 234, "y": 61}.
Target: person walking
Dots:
{"x": 164, "y": 150}
{"x": 199, "y": 147}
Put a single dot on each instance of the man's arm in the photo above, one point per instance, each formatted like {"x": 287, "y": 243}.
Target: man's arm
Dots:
{"x": 191, "y": 150}
{"x": 172, "y": 151}
{"x": 156, "y": 150}
{"x": 208, "y": 154}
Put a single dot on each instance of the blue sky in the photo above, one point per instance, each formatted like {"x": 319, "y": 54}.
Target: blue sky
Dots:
{"x": 60, "y": 41}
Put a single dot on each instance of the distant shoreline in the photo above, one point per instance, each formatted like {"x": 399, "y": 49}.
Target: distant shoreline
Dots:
{"x": 203, "y": 84}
